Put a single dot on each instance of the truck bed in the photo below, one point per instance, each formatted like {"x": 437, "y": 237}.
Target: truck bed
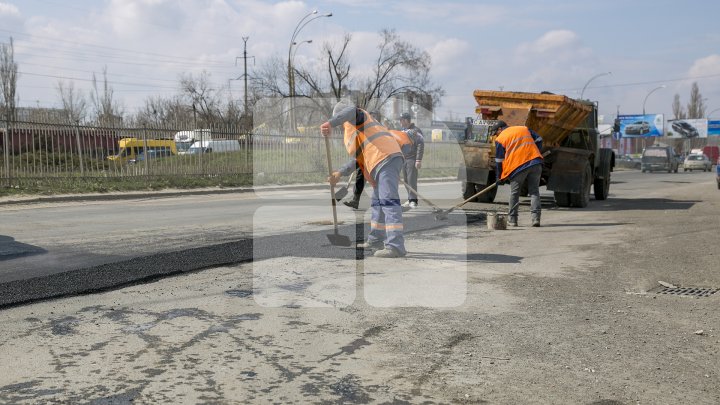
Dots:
{"x": 550, "y": 115}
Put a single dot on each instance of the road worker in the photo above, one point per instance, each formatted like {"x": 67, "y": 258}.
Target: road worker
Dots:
{"x": 378, "y": 155}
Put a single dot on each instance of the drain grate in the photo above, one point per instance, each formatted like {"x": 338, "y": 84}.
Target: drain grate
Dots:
{"x": 687, "y": 291}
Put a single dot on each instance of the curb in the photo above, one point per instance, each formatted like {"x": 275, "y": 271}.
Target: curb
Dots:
{"x": 176, "y": 193}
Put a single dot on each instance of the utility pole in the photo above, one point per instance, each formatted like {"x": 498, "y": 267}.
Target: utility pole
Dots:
{"x": 245, "y": 57}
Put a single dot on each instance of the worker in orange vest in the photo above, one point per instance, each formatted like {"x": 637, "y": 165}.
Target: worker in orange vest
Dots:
{"x": 518, "y": 158}
{"x": 378, "y": 154}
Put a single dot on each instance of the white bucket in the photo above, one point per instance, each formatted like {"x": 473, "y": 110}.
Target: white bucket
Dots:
{"x": 496, "y": 220}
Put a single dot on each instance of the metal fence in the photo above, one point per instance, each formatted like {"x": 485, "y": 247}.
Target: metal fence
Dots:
{"x": 32, "y": 150}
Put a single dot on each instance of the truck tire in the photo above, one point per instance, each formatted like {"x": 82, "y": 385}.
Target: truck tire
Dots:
{"x": 562, "y": 199}
{"x": 601, "y": 188}
{"x": 468, "y": 190}
{"x": 582, "y": 199}
{"x": 487, "y": 197}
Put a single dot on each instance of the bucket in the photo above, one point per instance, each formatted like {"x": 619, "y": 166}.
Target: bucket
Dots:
{"x": 496, "y": 220}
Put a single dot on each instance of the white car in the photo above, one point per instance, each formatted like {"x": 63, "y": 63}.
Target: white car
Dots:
{"x": 697, "y": 162}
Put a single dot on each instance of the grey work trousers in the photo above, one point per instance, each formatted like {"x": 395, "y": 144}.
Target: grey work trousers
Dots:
{"x": 410, "y": 176}
{"x": 532, "y": 174}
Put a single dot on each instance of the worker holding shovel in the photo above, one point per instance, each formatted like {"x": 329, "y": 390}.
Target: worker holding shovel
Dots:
{"x": 378, "y": 155}
{"x": 518, "y": 158}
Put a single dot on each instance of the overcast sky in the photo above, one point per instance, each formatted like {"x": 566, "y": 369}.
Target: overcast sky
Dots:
{"x": 520, "y": 45}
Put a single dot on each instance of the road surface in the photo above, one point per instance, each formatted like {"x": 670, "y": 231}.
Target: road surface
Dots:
{"x": 566, "y": 313}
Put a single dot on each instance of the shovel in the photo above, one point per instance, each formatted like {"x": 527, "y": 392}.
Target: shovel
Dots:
{"x": 435, "y": 208}
{"x": 442, "y": 215}
{"x": 343, "y": 191}
{"x": 335, "y": 239}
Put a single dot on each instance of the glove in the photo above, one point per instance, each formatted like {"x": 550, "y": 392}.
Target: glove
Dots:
{"x": 334, "y": 178}
{"x": 501, "y": 182}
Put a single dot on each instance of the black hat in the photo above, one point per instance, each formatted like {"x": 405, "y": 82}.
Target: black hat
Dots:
{"x": 405, "y": 116}
{"x": 496, "y": 126}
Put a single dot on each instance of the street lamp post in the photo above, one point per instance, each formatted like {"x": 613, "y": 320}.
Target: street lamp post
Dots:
{"x": 591, "y": 79}
{"x": 291, "y": 84}
{"x": 711, "y": 112}
{"x": 292, "y": 63}
{"x": 649, "y": 93}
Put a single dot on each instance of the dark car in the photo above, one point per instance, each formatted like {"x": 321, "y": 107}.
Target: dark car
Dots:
{"x": 629, "y": 162}
{"x": 660, "y": 158}
{"x": 684, "y": 129}
{"x": 637, "y": 128}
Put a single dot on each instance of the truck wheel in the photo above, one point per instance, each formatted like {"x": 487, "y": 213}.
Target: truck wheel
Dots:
{"x": 468, "y": 190}
{"x": 582, "y": 199}
{"x": 601, "y": 188}
{"x": 487, "y": 197}
{"x": 562, "y": 199}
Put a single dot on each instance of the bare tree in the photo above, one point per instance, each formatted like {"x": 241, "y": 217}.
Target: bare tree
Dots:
{"x": 202, "y": 96}
{"x": 677, "y": 108}
{"x": 696, "y": 105}
{"x": 107, "y": 110}
{"x": 160, "y": 111}
{"x": 8, "y": 79}
{"x": 401, "y": 69}
{"x": 73, "y": 102}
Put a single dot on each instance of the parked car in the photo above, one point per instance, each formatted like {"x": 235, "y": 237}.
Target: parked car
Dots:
{"x": 629, "y": 162}
{"x": 151, "y": 154}
{"x": 659, "y": 158}
{"x": 684, "y": 129}
{"x": 637, "y": 128}
{"x": 697, "y": 162}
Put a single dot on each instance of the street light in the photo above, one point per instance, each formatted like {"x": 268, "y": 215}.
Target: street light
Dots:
{"x": 291, "y": 81}
{"x": 300, "y": 25}
{"x": 591, "y": 79}
{"x": 292, "y": 63}
{"x": 710, "y": 113}
{"x": 649, "y": 93}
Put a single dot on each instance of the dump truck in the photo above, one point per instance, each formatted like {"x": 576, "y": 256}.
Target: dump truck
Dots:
{"x": 573, "y": 161}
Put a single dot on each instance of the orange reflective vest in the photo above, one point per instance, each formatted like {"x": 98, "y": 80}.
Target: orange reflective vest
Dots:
{"x": 402, "y": 137}
{"x": 370, "y": 143}
{"x": 519, "y": 147}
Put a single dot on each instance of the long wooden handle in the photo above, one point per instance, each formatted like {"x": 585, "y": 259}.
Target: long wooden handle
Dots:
{"x": 332, "y": 186}
{"x": 478, "y": 194}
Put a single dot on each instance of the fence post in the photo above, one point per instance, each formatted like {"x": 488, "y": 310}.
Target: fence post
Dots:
{"x": 6, "y": 147}
{"x": 79, "y": 146}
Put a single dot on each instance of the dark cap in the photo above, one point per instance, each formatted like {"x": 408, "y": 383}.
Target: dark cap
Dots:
{"x": 498, "y": 125}
{"x": 405, "y": 116}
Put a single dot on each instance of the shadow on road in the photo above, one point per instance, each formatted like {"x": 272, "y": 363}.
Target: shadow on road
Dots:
{"x": 586, "y": 225}
{"x": 12, "y": 249}
{"x": 645, "y": 204}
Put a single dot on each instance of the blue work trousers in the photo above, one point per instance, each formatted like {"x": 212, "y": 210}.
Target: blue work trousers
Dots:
{"x": 386, "y": 223}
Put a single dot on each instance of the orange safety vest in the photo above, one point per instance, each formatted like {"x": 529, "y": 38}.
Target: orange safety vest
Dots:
{"x": 401, "y": 137}
{"x": 520, "y": 148}
{"x": 370, "y": 143}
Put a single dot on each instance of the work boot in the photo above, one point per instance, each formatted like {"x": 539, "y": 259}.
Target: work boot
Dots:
{"x": 512, "y": 221}
{"x": 406, "y": 204}
{"x": 354, "y": 203}
{"x": 388, "y": 253}
{"x": 536, "y": 222}
{"x": 413, "y": 204}
{"x": 370, "y": 245}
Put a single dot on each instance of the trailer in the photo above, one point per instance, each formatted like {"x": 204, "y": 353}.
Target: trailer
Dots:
{"x": 573, "y": 160}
